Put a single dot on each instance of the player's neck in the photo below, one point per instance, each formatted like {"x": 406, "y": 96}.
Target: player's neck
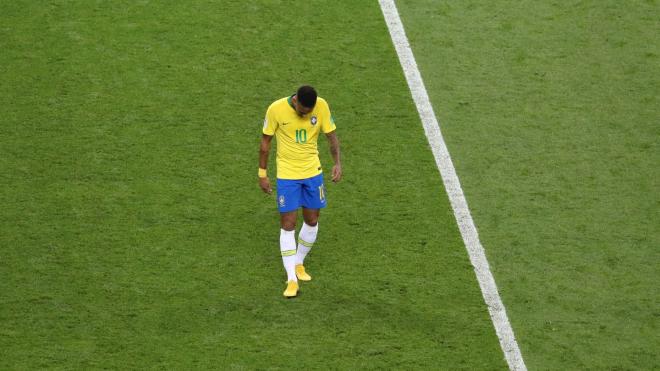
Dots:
{"x": 292, "y": 102}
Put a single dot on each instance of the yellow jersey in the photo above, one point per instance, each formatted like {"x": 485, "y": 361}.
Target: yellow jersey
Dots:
{"x": 297, "y": 152}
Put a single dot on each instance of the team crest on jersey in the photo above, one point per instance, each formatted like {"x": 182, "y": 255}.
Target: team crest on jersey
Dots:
{"x": 281, "y": 201}
{"x": 314, "y": 120}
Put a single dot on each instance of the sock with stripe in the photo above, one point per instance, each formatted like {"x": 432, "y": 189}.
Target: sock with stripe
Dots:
{"x": 288, "y": 250}
{"x": 306, "y": 239}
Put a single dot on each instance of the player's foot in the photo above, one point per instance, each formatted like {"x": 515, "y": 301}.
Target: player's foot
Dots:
{"x": 301, "y": 274}
{"x": 291, "y": 289}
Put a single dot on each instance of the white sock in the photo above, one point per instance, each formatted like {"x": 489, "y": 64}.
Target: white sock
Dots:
{"x": 288, "y": 250}
{"x": 306, "y": 239}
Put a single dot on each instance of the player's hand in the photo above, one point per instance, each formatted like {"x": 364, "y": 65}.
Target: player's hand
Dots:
{"x": 264, "y": 183}
{"x": 336, "y": 173}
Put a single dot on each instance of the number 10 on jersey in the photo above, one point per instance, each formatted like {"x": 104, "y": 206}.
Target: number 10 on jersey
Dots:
{"x": 301, "y": 136}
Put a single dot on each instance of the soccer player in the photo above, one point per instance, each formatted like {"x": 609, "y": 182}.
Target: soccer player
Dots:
{"x": 296, "y": 121}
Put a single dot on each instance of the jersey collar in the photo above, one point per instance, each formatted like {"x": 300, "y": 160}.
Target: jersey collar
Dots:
{"x": 290, "y": 100}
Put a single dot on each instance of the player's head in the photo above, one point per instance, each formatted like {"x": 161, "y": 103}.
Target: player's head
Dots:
{"x": 305, "y": 99}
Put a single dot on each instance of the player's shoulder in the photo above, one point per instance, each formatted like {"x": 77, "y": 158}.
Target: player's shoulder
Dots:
{"x": 322, "y": 103}
{"x": 278, "y": 104}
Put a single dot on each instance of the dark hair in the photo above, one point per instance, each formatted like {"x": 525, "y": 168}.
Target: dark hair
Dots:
{"x": 306, "y": 96}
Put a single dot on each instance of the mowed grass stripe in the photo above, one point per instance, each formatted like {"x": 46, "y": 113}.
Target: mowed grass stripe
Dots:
{"x": 134, "y": 233}
{"x": 452, "y": 185}
{"x": 550, "y": 111}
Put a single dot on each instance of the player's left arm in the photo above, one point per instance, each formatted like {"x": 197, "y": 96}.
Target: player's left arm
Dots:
{"x": 336, "y": 155}
{"x": 329, "y": 128}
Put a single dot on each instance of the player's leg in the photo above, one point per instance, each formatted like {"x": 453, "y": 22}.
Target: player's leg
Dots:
{"x": 311, "y": 216}
{"x": 306, "y": 239}
{"x": 313, "y": 195}
{"x": 288, "y": 201}
{"x": 288, "y": 220}
{"x": 288, "y": 250}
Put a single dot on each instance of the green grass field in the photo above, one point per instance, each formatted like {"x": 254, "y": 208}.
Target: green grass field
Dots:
{"x": 134, "y": 234}
{"x": 553, "y": 125}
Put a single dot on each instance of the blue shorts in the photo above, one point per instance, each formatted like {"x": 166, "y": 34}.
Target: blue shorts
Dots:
{"x": 308, "y": 193}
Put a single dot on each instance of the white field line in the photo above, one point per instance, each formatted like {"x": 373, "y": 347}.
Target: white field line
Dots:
{"x": 453, "y": 186}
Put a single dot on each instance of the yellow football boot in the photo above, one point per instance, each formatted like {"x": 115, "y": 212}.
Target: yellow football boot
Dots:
{"x": 291, "y": 289}
{"x": 301, "y": 274}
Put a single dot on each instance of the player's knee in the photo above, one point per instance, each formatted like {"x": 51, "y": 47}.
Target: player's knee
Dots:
{"x": 312, "y": 222}
{"x": 288, "y": 225}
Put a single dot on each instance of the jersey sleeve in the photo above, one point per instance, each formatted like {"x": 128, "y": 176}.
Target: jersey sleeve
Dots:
{"x": 328, "y": 122}
{"x": 270, "y": 123}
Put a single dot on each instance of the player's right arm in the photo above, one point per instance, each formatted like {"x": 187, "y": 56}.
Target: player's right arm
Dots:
{"x": 268, "y": 131}
{"x": 264, "y": 150}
